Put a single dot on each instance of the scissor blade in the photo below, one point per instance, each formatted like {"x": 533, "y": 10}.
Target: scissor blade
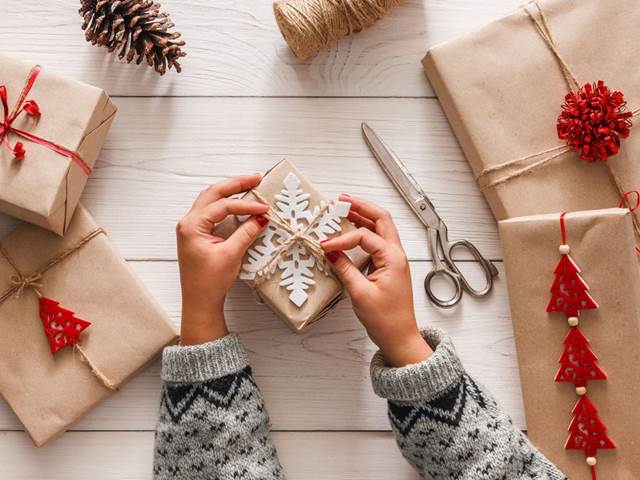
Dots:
{"x": 401, "y": 178}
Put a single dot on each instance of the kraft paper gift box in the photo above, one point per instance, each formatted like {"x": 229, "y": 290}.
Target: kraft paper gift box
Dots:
{"x": 602, "y": 244}
{"x": 49, "y": 392}
{"x": 299, "y": 304}
{"x": 502, "y": 88}
{"x": 44, "y": 186}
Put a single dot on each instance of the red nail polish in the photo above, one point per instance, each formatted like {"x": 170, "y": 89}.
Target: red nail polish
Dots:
{"x": 262, "y": 220}
{"x": 332, "y": 256}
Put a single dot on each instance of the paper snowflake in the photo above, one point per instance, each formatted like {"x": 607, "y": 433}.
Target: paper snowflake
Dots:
{"x": 296, "y": 262}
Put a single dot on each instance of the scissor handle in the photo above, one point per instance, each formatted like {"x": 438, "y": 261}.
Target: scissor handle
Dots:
{"x": 489, "y": 269}
{"x": 455, "y": 279}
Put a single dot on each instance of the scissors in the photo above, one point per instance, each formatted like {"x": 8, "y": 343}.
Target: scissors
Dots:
{"x": 436, "y": 229}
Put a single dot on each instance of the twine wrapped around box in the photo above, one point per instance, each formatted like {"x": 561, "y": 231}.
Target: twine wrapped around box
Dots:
{"x": 542, "y": 27}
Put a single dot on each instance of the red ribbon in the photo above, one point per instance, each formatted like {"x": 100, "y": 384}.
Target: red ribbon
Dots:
{"x": 30, "y": 107}
{"x": 625, "y": 201}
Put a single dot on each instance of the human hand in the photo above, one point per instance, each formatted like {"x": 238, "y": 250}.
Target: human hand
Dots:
{"x": 382, "y": 300}
{"x": 209, "y": 264}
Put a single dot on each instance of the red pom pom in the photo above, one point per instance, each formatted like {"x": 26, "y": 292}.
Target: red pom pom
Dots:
{"x": 593, "y": 120}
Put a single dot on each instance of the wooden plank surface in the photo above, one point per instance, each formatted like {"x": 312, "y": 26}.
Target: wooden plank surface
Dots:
{"x": 128, "y": 456}
{"x": 242, "y": 103}
{"x": 235, "y": 49}
{"x": 161, "y": 152}
{"x": 298, "y": 373}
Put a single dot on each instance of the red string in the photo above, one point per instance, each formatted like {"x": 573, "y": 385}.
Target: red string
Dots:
{"x": 6, "y": 127}
{"x": 593, "y": 472}
{"x": 562, "y": 228}
{"x": 625, "y": 200}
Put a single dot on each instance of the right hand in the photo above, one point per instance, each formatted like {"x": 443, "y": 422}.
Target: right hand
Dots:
{"x": 382, "y": 300}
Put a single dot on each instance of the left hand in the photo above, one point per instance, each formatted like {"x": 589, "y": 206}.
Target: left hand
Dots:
{"x": 210, "y": 264}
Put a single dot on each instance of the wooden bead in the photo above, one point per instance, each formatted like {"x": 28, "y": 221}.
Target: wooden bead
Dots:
{"x": 581, "y": 390}
{"x": 591, "y": 461}
{"x": 564, "y": 249}
{"x": 573, "y": 321}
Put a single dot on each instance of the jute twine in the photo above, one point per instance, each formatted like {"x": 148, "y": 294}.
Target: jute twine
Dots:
{"x": 309, "y": 25}
{"x": 544, "y": 157}
{"x": 20, "y": 282}
{"x": 296, "y": 235}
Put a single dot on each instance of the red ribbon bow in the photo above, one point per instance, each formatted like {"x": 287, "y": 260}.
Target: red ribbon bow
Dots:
{"x": 31, "y": 108}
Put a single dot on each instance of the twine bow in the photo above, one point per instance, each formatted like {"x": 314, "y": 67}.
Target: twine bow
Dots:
{"x": 31, "y": 108}
{"x": 22, "y": 282}
{"x": 296, "y": 235}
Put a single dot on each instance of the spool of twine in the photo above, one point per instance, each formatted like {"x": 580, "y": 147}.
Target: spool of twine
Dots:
{"x": 309, "y": 25}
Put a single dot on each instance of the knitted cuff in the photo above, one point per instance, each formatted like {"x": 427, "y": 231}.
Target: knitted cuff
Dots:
{"x": 424, "y": 380}
{"x": 199, "y": 363}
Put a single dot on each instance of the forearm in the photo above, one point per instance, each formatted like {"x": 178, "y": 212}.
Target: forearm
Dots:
{"x": 448, "y": 426}
{"x": 212, "y": 422}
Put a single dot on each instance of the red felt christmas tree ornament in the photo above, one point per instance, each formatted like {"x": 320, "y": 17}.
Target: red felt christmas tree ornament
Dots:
{"x": 61, "y": 326}
{"x": 569, "y": 292}
{"x": 578, "y": 364}
{"x": 588, "y": 433}
{"x": 593, "y": 120}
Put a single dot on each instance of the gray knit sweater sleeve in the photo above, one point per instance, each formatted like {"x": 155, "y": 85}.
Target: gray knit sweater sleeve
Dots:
{"x": 212, "y": 422}
{"x": 448, "y": 426}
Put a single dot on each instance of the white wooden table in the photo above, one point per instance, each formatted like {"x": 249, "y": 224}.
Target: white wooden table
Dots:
{"x": 242, "y": 103}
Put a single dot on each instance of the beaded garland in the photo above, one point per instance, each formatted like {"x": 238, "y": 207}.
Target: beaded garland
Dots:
{"x": 578, "y": 363}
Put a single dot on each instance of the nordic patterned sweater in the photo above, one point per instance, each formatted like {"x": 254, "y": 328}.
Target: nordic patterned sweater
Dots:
{"x": 213, "y": 423}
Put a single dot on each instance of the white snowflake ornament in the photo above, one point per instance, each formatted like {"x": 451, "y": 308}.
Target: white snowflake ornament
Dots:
{"x": 290, "y": 243}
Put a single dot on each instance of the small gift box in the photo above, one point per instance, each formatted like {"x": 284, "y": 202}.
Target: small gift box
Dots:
{"x": 574, "y": 289}
{"x": 542, "y": 102}
{"x": 51, "y": 131}
{"x": 286, "y": 266}
{"x": 77, "y": 324}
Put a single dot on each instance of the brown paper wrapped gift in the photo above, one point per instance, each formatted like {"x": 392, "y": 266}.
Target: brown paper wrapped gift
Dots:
{"x": 323, "y": 290}
{"x": 128, "y": 328}
{"x": 502, "y": 89}
{"x": 602, "y": 245}
{"x": 44, "y": 187}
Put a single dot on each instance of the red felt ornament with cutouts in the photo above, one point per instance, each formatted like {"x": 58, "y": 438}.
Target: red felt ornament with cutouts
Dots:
{"x": 578, "y": 363}
{"x": 569, "y": 292}
{"x": 61, "y": 326}
{"x": 587, "y": 432}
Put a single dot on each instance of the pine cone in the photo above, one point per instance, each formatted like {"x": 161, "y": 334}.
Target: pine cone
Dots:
{"x": 133, "y": 28}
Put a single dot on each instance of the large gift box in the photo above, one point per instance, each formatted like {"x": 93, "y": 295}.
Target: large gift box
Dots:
{"x": 502, "y": 89}
{"x": 44, "y": 279}
{"x": 601, "y": 244}
{"x": 51, "y": 132}
{"x": 286, "y": 267}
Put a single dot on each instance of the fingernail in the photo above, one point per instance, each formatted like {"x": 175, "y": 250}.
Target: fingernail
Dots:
{"x": 332, "y": 256}
{"x": 346, "y": 195}
{"x": 262, "y": 220}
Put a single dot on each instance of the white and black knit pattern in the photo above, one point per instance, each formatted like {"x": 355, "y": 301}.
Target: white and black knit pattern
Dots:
{"x": 449, "y": 427}
{"x": 212, "y": 424}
